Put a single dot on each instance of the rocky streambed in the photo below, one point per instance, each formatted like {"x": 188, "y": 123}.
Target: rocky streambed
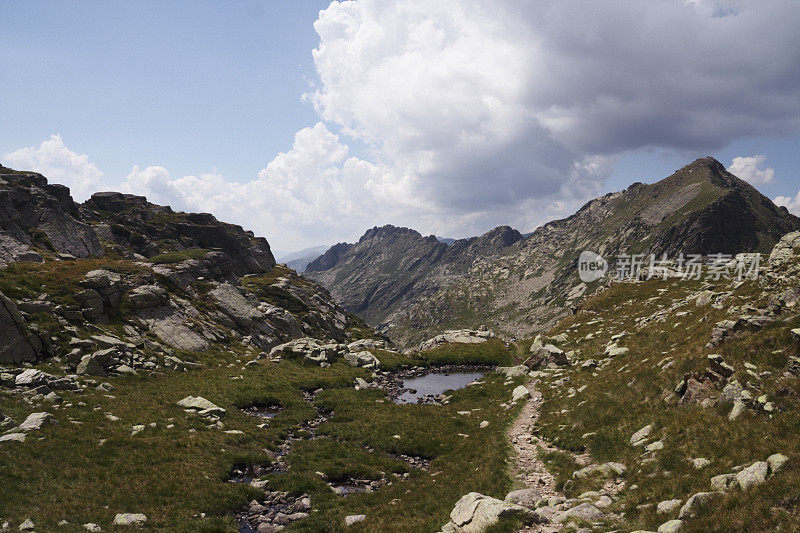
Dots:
{"x": 411, "y": 386}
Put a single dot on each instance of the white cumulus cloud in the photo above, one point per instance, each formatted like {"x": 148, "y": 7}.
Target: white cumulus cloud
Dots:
{"x": 473, "y": 114}
{"x": 492, "y": 104}
{"x": 790, "y": 203}
{"x": 59, "y": 164}
{"x": 748, "y": 168}
{"x": 303, "y": 196}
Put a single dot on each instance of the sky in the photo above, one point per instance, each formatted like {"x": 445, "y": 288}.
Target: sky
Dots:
{"x": 312, "y": 121}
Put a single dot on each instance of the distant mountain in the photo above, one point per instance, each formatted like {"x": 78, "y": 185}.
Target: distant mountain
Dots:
{"x": 300, "y": 259}
{"x": 448, "y": 241}
{"x": 412, "y": 286}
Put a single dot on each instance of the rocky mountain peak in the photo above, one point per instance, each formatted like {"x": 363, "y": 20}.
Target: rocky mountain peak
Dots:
{"x": 412, "y": 288}
{"x": 389, "y": 232}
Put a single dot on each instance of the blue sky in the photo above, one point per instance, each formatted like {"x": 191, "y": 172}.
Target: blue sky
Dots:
{"x": 450, "y": 117}
{"x": 189, "y": 85}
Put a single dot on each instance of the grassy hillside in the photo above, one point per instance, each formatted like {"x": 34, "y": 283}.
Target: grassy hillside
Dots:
{"x": 666, "y": 325}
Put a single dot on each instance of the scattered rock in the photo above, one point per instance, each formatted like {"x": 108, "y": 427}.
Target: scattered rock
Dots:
{"x": 354, "y": 519}
{"x": 668, "y": 506}
{"x": 513, "y": 371}
{"x": 722, "y": 482}
{"x": 201, "y": 405}
{"x": 519, "y": 393}
{"x": 90, "y": 366}
{"x": 12, "y": 437}
{"x": 755, "y": 474}
{"x": 638, "y": 438}
{"x": 36, "y": 421}
{"x": 130, "y": 519}
{"x": 696, "y": 502}
{"x": 546, "y": 355}
{"x": 738, "y": 409}
{"x": 673, "y": 526}
{"x": 583, "y": 511}
{"x": 776, "y": 462}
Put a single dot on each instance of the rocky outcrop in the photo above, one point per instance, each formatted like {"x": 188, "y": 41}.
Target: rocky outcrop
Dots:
{"x": 37, "y": 218}
{"x": 134, "y": 225}
{"x": 324, "y": 353}
{"x": 35, "y": 215}
{"x": 411, "y": 286}
{"x": 458, "y": 336}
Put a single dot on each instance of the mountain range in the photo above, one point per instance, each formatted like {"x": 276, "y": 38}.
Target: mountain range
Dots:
{"x": 300, "y": 259}
{"x": 411, "y": 286}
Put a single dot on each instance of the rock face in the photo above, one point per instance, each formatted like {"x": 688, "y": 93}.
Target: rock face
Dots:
{"x": 390, "y": 267}
{"x": 35, "y": 214}
{"x": 18, "y": 344}
{"x": 133, "y": 223}
{"x": 412, "y": 286}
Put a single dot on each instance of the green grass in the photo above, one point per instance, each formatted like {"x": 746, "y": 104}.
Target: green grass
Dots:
{"x": 58, "y": 279}
{"x": 172, "y": 475}
{"x": 171, "y": 258}
{"x": 633, "y": 391}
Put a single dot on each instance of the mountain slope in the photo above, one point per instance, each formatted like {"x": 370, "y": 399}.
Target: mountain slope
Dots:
{"x": 391, "y": 267}
{"x": 411, "y": 287}
{"x": 120, "y": 266}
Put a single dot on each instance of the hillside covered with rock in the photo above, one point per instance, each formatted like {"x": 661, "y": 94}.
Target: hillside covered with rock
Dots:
{"x": 412, "y": 287}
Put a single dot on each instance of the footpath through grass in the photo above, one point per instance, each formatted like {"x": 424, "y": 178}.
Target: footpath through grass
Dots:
{"x": 597, "y": 410}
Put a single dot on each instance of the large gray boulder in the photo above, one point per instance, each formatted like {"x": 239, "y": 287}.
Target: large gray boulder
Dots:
{"x": 201, "y": 406}
{"x": 524, "y": 497}
{"x": 584, "y": 511}
{"x": 363, "y": 359}
{"x": 753, "y": 475}
{"x": 544, "y": 355}
{"x": 90, "y": 366}
{"x": 32, "y": 378}
{"x": 475, "y": 513}
{"x": 37, "y": 421}
{"x": 130, "y": 519}
{"x": 106, "y": 284}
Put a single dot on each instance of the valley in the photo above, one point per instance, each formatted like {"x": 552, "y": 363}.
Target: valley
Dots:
{"x": 159, "y": 371}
